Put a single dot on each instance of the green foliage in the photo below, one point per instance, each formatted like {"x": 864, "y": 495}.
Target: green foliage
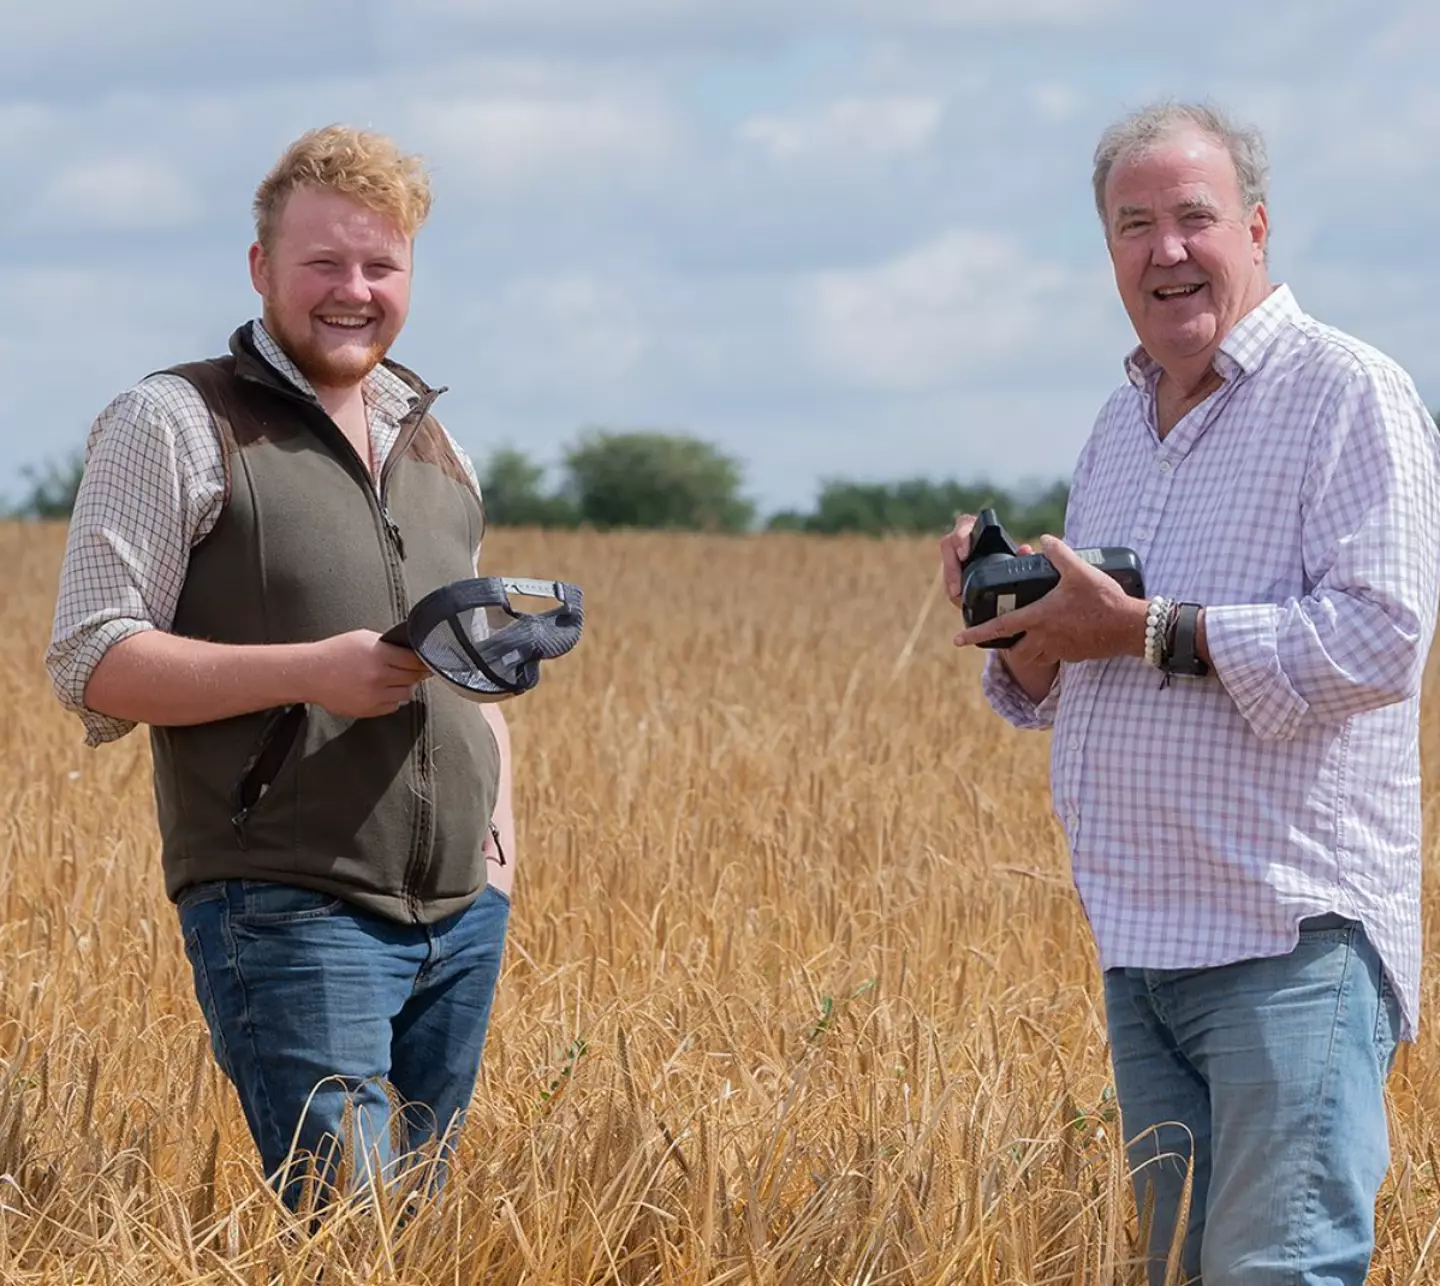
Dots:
{"x": 665, "y": 480}
{"x": 514, "y": 497}
{"x": 656, "y": 480}
{"x": 52, "y": 488}
{"x": 576, "y": 1050}
{"x": 670, "y": 480}
{"x": 829, "y": 1010}
{"x": 920, "y": 506}
{"x": 1036, "y": 515}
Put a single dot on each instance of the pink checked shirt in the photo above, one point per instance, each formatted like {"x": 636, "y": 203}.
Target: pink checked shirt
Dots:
{"x": 1300, "y": 504}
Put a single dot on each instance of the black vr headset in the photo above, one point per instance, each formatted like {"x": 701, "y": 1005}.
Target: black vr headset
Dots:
{"x": 470, "y": 634}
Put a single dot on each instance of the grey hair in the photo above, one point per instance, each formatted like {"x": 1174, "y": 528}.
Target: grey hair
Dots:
{"x": 1147, "y": 126}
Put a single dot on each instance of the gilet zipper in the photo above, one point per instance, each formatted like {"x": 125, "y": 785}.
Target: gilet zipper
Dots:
{"x": 422, "y": 831}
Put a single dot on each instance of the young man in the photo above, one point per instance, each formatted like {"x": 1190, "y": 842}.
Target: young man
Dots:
{"x": 337, "y": 835}
{"x": 1235, "y": 761}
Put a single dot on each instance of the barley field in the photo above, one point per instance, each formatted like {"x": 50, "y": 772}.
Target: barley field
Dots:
{"x": 797, "y": 990}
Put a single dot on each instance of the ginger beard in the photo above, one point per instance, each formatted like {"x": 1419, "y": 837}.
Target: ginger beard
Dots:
{"x": 321, "y": 348}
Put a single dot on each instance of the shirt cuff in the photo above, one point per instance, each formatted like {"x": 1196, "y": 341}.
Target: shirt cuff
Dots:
{"x": 1012, "y": 703}
{"x": 71, "y": 664}
{"x": 1243, "y": 641}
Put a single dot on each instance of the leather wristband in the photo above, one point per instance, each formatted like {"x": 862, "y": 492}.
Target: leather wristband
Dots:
{"x": 1181, "y": 657}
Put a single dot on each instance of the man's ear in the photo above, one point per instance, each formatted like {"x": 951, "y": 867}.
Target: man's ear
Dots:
{"x": 1260, "y": 231}
{"x": 259, "y": 269}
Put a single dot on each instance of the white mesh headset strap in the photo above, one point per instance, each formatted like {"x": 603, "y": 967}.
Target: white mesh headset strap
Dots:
{"x": 534, "y": 588}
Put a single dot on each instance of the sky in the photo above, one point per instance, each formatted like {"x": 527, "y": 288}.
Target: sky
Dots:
{"x": 836, "y": 238}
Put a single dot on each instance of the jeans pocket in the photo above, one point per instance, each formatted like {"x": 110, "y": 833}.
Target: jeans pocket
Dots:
{"x": 192, "y": 895}
{"x": 1387, "y": 1020}
{"x": 268, "y": 903}
{"x": 205, "y": 996}
{"x": 1328, "y": 928}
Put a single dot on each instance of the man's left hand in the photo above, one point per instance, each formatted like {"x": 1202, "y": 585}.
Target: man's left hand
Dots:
{"x": 1086, "y": 617}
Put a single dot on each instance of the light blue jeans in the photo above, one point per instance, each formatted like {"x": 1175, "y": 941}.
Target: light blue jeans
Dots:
{"x": 1270, "y": 1074}
{"x": 319, "y": 1012}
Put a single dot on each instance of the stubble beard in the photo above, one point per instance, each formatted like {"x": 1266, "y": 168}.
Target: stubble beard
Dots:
{"x": 319, "y": 365}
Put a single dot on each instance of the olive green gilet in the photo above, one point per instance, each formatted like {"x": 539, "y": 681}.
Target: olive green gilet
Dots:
{"x": 390, "y": 813}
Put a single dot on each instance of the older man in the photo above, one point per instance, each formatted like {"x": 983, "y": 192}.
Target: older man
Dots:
{"x": 1235, "y": 761}
{"x": 332, "y": 832}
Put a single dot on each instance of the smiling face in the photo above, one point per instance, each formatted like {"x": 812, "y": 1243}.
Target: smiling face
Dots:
{"x": 1189, "y": 257}
{"x": 335, "y": 278}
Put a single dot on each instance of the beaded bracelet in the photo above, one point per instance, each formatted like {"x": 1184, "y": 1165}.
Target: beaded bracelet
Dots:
{"x": 1157, "y": 614}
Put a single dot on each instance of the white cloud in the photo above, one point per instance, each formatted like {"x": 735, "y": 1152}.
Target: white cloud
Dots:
{"x": 522, "y": 141}
{"x": 1008, "y": 13}
{"x": 850, "y": 126}
{"x": 73, "y": 337}
{"x": 534, "y": 328}
{"x": 25, "y": 126}
{"x": 1402, "y": 30}
{"x": 795, "y": 17}
{"x": 1056, "y": 102}
{"x": 87, "y": 42}
{"x": 1398, "y": 142}
{"x": 817, "y": 230}
{"x": 553, "y": 10}
{"x": 51, "y": 28}
{"x": 965, "y": 306}
{"x": 119, "y": 193}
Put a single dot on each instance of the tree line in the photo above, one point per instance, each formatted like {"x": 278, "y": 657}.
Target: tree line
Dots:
{"x": 669, "y": 481}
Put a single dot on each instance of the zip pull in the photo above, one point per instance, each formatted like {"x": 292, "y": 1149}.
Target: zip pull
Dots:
{"x": 394, "y": 532}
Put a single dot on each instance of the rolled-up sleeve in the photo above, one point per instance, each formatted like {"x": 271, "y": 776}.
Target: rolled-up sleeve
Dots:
{"x": 137, "y": 512}
{"x": 1012, "y": 703}
{"x": 1371, "y": 549}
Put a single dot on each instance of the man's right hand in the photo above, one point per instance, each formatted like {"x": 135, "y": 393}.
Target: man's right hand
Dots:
{"x": 1033, "y": 672}
{"x": 357, "y": 676}
{"x": 955, "y": 549}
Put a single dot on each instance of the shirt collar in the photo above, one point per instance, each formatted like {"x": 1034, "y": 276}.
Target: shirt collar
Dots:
{"x": 1243, "y": 351}
{"x": 384, "y": 391}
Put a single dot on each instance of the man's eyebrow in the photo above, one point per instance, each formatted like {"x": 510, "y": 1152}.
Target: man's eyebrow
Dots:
{"x": 328, "y": 250}
{"x": 1184, "y": 206}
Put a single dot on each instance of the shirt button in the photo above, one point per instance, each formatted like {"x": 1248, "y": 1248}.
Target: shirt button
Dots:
{"x": 1074, "y": 743}
{"x": 1143, "y": 534}
{"x": 1072, "y": 820}
{"x": 1164, "y": 466}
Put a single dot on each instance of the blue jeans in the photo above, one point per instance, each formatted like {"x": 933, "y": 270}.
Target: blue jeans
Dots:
{"x": 1270, "y": 1075}
{"x": 315, "y": 1007}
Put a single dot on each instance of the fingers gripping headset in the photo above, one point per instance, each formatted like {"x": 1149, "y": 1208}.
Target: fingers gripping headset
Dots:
{"x": 452, "y": 629}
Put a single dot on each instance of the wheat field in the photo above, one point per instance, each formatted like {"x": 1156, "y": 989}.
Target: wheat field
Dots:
{"x": 797, "y": 990}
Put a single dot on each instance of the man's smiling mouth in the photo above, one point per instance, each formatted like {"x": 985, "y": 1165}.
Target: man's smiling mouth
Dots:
{"x": 1178, "y": 292}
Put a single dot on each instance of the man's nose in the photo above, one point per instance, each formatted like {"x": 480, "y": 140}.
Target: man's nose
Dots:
{"x": 1168, "y": 248}
{"x": 352, "y": 286}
